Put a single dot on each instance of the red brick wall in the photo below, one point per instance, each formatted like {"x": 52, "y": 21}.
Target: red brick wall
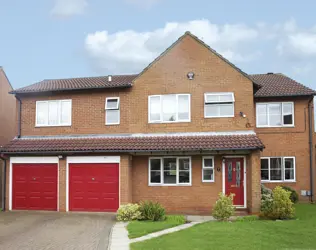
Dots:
{"x": 291, "y": 142}
{"x": 166, "y": 76}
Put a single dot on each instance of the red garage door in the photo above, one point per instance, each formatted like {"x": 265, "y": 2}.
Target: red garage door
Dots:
{"x": 34, "y": 186}
{"x": 94, "y": 187}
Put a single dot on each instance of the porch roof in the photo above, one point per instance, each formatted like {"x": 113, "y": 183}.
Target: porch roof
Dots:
{"x": 243, "y": 140}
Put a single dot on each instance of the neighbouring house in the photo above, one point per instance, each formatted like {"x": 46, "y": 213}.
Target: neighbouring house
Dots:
{"x": 7, "y": 121}
{"x": 189, "y": 126}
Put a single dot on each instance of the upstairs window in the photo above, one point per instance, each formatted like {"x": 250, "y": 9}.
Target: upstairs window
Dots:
{"x": 112, "y": 111}
{"x": 169, "y": 108}
{"x": 53, "y": 113}
{"x": 278, "y": 114}
{"x": 219, "y": 105}
{"x": 277, "y": 169}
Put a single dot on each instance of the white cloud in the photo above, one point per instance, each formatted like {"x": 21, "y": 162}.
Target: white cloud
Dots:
{"x": 130, "y": 51}
{"x": 67, "y": 8}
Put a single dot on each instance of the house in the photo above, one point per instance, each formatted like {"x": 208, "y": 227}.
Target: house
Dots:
{"x": 189, "y": 126}
{"x": 7, "y": 120}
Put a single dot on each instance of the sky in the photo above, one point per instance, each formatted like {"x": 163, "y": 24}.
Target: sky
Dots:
{"x": 75, "y": 38}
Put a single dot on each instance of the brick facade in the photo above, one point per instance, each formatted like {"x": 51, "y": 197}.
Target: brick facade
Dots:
{"x": 168, "y": 75}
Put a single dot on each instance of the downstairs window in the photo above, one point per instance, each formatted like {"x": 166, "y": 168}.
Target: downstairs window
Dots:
{"x": 277, "y": 169}
{"x": 170, "y": 171}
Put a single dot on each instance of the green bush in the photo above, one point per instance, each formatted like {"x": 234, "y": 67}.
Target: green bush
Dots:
{"x": 280, "y": 207}
{"x": 128, "y": 212}
{"x": 223, "y": 208}
{"x": 152, "y": 211}
{"x": 294, "y": 194}
{"x": 265, "y": 190}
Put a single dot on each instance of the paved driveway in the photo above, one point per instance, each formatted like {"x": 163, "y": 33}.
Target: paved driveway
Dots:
{"x": 52, "y": 230}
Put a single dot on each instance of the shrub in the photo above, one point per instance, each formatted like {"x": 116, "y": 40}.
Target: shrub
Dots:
{"x": 265, "y": 190}
{"x": 223, "y": 208}
{"x": 294, "y": 194}
{"x": 128, "y": 212}
{"x": 280, "y": 207}
{"x": 152, "y": 211}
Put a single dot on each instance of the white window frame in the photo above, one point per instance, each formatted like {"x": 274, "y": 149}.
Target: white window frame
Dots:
{"x": 216, "y": 94}
{"x": 269, "y": 126}
{"x": 59, "y": 114}
{"x": 282, "y": 169}
{"x": 116, "y": 108}
{"x": 204, "y": 167}
{"x": 162, "y": 171}
{"x": 161, "y": 114}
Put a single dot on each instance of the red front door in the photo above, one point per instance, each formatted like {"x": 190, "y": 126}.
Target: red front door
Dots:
{"x": 34, "y": 186}
{"x": 234, "y": 179}
{"x": 94, "y": 187}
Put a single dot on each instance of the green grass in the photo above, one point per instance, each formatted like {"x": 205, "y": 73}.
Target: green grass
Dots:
{"x": 140, "y": 228}
{"x": 258, "y": 234}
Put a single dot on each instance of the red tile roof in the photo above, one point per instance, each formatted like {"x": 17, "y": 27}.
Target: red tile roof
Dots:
{"x": 135, "y": 144}
{"x": 274, "y": 85}
{"x": 118, "y": 81}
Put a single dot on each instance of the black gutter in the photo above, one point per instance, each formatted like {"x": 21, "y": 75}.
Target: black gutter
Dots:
{"x": 19, "y": 116}
{"x": 311, "y": 148}
{"x": 4, "y": 183}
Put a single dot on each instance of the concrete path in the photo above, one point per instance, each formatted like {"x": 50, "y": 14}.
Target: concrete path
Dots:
{"x": 119, "y": 236}
{"x": 53, "y": 230}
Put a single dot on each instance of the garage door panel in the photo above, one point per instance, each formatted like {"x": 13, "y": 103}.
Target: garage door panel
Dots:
{"x": 34, "y": 186}
{"x": 93, "y": 187}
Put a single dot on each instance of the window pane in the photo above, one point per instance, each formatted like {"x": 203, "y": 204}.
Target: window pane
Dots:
{"x": 262, "y": 120}
{"x": 183, "y": 107}
{"x": 289, "y": 162}
{"x": 275, "y": 163}
{"x": 211, "y": 110}
{"x": 212, "y": 98}
{"x": 184, "y": 164}
{"x": 208, "y": 174}
{"x": 287, "y": 114}
{"x": 289, "y": 174}
{"x": 226, "y": 110}
{"x": 169, "y": 108}
{"x": 184, "y": 176}
{"x": 155, "y": 176}
{"x": 42, "y": 113}
{"x": 208, "y": 162}
{"x": 264, "y": 174}
{"x": 275, "y": 115}
{"x": 262, "y": 109}
{"x": 288, "y": 119}
{"x": 170, "y": 170}
{"x": 170, "y": 164}
{"x": 112, "y": 116}
{"x": 112, "y": 104}
{"x": 65, "y": 112}
{"x": 287, "y": 108}
{"x": 170, "y": 177}
{"x": 226, "y": 98}
{"x": 264, "y": 164}
{"x": 53, "y": 113}
{"x": 154, "y": 108}
{"x": 275, "y": 174}
{"x": 155, "y": 164}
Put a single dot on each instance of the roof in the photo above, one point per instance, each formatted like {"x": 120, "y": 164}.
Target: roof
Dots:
{"x": 138, "y": 143}
{"x": 276, "y": 85}
{"x": 118, "y": 81}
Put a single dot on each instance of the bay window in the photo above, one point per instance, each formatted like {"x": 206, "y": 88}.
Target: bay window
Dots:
{"x": 277, "y": 169}
{"x": 169, "y": 108}
{"x": 279, "y": 114}
{"x": 169, "y": 171}
{"x": 53, "y": 113}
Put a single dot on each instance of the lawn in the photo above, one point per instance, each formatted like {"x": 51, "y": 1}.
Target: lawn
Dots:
{"x": 140, "y": 228}
{"x": 292, "y": 234}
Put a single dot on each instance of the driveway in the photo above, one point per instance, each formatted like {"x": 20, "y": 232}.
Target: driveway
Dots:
{"x": 52, "y": 230}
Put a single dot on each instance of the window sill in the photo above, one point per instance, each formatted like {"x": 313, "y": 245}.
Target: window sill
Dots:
{"x": 45, "y": 126}
{"x": 227, "y": 116}
{"x": 170, "y": 185}
{"x": 168, "y": 122}
{"x": 294, "y": 181}
{"x": 290, "y": 126}
{"x": 111, "y": 124}
{"x": 208, "y": 181}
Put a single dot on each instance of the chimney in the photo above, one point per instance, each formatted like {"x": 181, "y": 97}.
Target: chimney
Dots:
{"x": 110, "y": 78}
{"x": 270, "y": 73}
